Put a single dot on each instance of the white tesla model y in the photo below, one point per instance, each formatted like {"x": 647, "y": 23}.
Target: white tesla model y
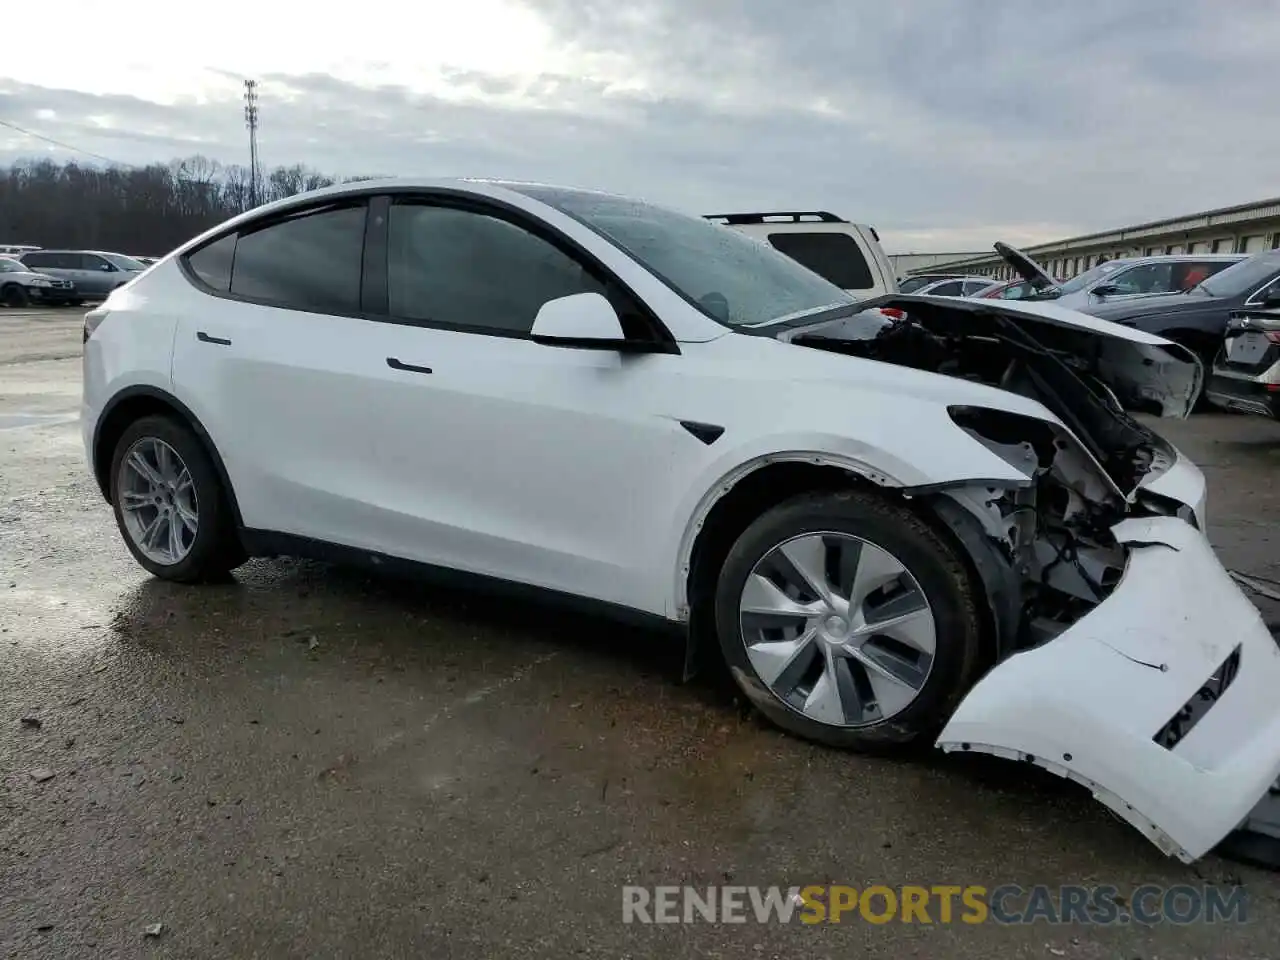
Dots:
{"x": 906, "y": 520}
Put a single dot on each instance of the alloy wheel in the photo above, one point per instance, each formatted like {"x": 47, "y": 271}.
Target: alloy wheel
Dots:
{"x": 838, "y": 629}
{"x": 158, "y": 501}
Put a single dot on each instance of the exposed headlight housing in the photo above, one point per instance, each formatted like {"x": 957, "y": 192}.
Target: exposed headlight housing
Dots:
{"x": 39, "y": 282}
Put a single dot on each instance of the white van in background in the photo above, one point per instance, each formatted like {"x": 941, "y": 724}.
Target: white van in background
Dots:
{"x": 15, "y": 249}
{"x": 847, "y": 254}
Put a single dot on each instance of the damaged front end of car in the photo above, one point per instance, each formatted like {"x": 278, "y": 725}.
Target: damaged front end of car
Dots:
{"x": 1127, "y": 659}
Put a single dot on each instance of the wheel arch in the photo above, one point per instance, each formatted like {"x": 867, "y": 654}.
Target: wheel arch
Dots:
{"x": 746, "y": 492}
{"x": 130, "y": 405}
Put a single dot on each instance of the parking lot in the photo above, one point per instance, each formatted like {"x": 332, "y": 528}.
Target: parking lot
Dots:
{"x": 314, "y": 762}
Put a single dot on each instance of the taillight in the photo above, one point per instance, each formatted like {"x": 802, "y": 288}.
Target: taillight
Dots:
{"x": 92, "y": 320}
{"x": 893, "y": 312}
{"x": 1273, "y": 336}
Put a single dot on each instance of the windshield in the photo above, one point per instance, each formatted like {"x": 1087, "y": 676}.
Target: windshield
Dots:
{"x": 1242, "y": 277}
{"x": 727, "y": 275}
{"x": 125, "y": 263}
{"x": 1089, "y": 277}
{"x": 11, "y": 266}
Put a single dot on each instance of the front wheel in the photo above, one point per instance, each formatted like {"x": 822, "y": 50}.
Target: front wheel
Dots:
{"x": 14, "y": 295}
{"x": 170, "y": 505}
{"x": 846, "y": 619}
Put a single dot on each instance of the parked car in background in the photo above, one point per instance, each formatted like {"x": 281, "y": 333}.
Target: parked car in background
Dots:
{"x": 954, "y": 287}
{"x": 20, "y": 285}
{"x": 147, "y": 261}
{"x": 916, "y": 281}
{"x": 94, "y": 273}
{"x": 846, "y": 254}
{"x": 1120, "y": 279}
{"x": 15, "y": 249}
{"x": 1198, "y": 318}
{"x": 1019, "y": 289}
{"x": 1246, "y": 370}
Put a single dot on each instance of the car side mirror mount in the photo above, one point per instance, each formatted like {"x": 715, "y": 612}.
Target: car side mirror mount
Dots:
{"x": 586, "y": 321}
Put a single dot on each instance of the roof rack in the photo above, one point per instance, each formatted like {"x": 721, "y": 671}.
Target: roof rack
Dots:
{"x": 791, "y": 216}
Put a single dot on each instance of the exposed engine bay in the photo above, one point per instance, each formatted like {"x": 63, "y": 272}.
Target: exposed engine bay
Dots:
{"x": 1053, "y": 534}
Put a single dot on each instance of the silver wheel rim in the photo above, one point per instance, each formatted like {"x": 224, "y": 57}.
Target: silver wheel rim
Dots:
{"x": 838, "y": 629}
{"x": 158, "y": 501}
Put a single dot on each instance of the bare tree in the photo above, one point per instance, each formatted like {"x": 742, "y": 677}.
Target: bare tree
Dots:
{"x": 139, "y": 210}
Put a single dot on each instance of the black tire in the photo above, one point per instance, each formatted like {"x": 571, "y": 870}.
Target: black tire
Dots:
{"x": 216, "y": 549}
{"x": 14, "y": 295}
{"x": 937, "y": 567}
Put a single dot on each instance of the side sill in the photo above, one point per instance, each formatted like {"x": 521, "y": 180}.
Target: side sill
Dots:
{"x": 270, "y": 543}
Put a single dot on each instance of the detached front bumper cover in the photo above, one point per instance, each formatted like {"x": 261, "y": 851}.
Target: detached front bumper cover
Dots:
{"x": 1118, "y": 703}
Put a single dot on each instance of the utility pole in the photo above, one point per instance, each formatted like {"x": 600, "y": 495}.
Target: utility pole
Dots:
{"x": 251, "y": 121}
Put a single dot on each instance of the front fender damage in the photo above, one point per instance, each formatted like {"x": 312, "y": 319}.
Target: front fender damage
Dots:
{"x": 1160, "y": 700}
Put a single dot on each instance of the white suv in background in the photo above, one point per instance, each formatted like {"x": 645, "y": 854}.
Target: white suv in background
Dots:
{"x": 846, "y": 254}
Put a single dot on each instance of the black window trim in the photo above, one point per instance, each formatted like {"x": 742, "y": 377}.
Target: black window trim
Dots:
{"x": 265, "y": 222}
{"x": 374, "y": 300}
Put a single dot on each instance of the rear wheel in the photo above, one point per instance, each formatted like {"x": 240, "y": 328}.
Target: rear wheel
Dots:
{"x": 14, "y": 295}
{"x": 848, "y": 620}
{"x": 169, "y": 503}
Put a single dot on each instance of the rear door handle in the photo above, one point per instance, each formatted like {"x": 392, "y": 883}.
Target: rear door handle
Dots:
{"x": 205, "y": 338}
{"x": 395, "y": 364}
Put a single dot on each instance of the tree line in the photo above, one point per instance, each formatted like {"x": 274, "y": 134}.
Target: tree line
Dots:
{"x": 144, "y": 211}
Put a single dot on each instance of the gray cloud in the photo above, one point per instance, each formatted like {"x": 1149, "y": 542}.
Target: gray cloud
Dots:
{"x": 945, "y": 122}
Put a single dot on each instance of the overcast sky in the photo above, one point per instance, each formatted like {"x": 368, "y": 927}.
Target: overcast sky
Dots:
{"x": 948, "y": 124}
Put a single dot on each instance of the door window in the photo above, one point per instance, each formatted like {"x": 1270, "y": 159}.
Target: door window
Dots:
{"x": 89, "y": 261}
{"x": 212, "y": 263}
{"x": 311, "y": 262}
{"x": 951, "y": 288}
{"x": 468, "y": 270}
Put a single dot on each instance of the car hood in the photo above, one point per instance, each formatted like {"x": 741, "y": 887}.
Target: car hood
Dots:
{"x": 1141, "y": 369}
{"x": 1026, "y": 268}
{"x": 1155, "y": 304}
{"x": 24, "y": 276}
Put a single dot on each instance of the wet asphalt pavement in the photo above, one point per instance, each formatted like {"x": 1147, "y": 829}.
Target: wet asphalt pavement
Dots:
{"x": 311, "y": 762}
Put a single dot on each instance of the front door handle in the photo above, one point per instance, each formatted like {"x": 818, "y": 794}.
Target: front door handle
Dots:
{"x": 205, "y": 338}
{"x": 395, "y": 364}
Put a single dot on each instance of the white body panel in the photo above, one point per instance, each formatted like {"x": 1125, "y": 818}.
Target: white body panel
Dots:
{"x": 1087, "y": 704}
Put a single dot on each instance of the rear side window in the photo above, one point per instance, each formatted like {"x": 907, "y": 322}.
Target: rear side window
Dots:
{"x": 311, "y": 262}
{"x": 38, "y": 259}
{"x": 212, "y": 263}
{"x": 836, "y": 257}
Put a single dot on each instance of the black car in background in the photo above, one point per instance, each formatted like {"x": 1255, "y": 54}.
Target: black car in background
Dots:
{"x": 1198, "y": 318}
{"x": 1246, "y": 371}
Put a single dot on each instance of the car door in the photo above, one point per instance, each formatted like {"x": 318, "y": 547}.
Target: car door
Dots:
{"x": 537, "y": 464}
{"x": 94, "y": 274}
{"x": 273, "y": 356}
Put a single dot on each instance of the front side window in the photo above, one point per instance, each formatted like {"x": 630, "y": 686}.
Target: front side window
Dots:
{"x": 311, "y": 262}
{"x": 950, "y": 288}
{"x": 126, "y": 263}
{"x": 90, "y": 261}
{"x": 833, "y": 256}
{"x": 469, "y": 270}
{"x": 724, "y": 273}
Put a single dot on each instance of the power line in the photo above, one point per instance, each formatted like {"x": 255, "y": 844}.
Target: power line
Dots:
{"x": 59, "y": 143}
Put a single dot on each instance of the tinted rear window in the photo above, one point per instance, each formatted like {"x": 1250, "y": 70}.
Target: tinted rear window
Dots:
{"x": 835, "y": 257}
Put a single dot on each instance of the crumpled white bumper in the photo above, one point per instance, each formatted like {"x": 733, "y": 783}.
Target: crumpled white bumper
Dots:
{"x": 1087, "y": 704}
